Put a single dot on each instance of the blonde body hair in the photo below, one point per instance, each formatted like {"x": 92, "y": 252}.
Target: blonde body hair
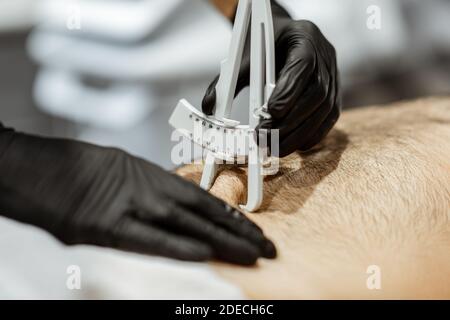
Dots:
{"x": 373, "y": 197}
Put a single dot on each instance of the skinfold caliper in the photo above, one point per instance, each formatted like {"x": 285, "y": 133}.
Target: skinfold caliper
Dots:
{"x": 224, "y": 139}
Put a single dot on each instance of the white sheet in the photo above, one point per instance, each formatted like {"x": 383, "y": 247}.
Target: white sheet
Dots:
{"x": 117, "y": 20}
{"x": 34, "y": 266}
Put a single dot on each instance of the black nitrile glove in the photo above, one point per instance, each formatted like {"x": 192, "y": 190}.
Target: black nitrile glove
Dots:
{"x": 305, "y": 104}
{"x": 84, "y": 194}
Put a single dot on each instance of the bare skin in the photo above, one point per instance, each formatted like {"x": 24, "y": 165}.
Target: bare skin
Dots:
{"x": 375, "y": 192}
{"x": 226, "y": 7}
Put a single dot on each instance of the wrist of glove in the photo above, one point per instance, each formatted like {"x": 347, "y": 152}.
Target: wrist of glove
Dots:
{"x": 305, "y": 104}
{"x": 84, "y": 194}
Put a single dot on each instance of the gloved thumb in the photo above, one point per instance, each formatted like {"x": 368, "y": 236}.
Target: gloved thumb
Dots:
{"x": 209, "y": 100}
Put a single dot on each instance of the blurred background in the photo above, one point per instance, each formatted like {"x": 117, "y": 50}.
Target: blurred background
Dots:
{"x": 111, "y": 71}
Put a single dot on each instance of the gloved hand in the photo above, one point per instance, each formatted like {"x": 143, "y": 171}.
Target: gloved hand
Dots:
{"x": 84, "y": 194}
{"x": 305, "y": 104}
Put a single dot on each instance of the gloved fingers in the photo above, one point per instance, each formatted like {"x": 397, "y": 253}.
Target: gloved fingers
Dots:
{"x": 323, "y": 130}
{"x": 137, "y": 236}
{"x": 304, "y": 108}
{"x": 234, "y": 221}
{"x": 190, "y": 195}
{"x": 223, "y": 215}
{"x": 328, "y": 53}
{"x": 319, "y": 97}
{"x": 306, "y": 134}
{"x": 226, "y": 245}
{"x": 320, "y": 94}
{"x": 301, "y": 136}
{"x": 294, "y": 79}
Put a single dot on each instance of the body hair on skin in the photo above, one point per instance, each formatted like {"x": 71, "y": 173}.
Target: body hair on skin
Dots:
{"x": 376, "y": 192}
